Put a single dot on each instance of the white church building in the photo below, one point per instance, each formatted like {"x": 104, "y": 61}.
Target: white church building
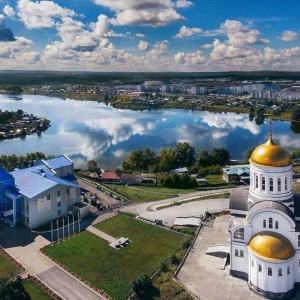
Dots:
{"x": 265, "y": 225}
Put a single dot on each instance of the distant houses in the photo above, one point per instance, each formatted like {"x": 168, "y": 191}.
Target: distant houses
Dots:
{"x": 237, "y": 173}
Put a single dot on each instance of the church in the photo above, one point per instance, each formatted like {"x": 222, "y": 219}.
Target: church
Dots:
{"x": 264, "y": 225}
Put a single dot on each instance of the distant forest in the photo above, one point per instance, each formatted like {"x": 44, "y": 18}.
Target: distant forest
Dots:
{"x": 88, "y": 78}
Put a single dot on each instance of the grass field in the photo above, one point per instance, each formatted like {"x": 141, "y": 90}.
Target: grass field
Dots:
{"x": 147, "y": 194}
{"x": 111, "y": 270}
{"x": 34, "y": 291}
{"x": 7, "y": 267}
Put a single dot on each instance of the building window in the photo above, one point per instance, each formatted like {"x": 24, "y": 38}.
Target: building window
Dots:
{"x": 58, "y": 212}
{"x": 269, "y": 271}
{"x": 299, "y": 262}
{"x": 48, "y": 197}
{"x": 285, "y": 183}
{"x": 270, "y": 223}
{"x": 259, "y": 268}
{"x": 252, "y": 263}
{"x": 298, "y": 240}
{"x": 279, "y": 272}
{"x": 264, "y": 223}
{"x": 276, "y": 224}
{"x": 256, "y": 181}
{"x": 279, "y": 184}
{"x": 241, "y": 253}
{"x": 271, "y": 185}
{"x": 288, "y": 270}
{"x": 58, "y": 204}
{"x": 68, "y": 191}
{"x": 263, "y": 183}
{"x": 236, "y": 253}
{"x": 58, "y": 194}
{"x": 239, "y": 234}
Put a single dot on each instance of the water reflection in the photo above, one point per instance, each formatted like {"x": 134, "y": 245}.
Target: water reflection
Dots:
{"x": 87, "y": 130}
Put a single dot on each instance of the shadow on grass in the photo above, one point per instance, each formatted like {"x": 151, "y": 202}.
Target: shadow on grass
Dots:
{"x": 154, "y": 292}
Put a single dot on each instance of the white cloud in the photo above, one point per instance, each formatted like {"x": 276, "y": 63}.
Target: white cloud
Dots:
{"x": 186, "y": 32}
{"x": 9, "y": 11}
{"x": 42, "y": 14}
{"x": 143, "y": 45}
{"x": 189, "y": 58}
{"x": 148, "y": 12}
{"x": 159, "y": 49}
{"x": 239, "y": 34}
{"x": 207, "y": 46}
{"x": 183, "y": 3}
{"x": 140, "y": 35}
{"x": 289, "y": 36}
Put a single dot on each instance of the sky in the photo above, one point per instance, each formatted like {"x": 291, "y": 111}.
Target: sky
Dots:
{"x": 150, "y": 35}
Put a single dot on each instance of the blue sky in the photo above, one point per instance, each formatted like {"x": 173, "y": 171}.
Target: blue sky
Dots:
{"x": 150, "y": 35}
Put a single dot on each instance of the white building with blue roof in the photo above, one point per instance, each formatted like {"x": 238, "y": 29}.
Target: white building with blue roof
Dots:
{"x": 36, "y": 195}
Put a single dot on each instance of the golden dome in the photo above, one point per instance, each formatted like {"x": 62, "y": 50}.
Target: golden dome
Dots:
{"x": 270, "y": 154}
{"x": 271, "y": 246}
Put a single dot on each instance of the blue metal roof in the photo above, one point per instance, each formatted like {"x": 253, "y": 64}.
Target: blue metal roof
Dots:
{"x": 4, "y": 175}
{"x": 61, "y": 181}
{"x": 40, "y": 169}
{"x": 58, "y": 162}
{"x": 31, "y": 184}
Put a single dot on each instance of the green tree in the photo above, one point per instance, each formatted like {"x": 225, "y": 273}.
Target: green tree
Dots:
{"x": 142, "y": 285}
{"x": 12, "y": 289}
{"x": 184, "y": 155}
{"x": 204, "y": 159}
{"x": 92, "y": 166}
{"x": 296, "y": 113}
{"x": 219, "y": 156}
{"x": 248, "y": 153}
{"x": 166, "y": 159}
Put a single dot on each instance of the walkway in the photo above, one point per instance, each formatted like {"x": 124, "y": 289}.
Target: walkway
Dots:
{"x": 24, "y": 245}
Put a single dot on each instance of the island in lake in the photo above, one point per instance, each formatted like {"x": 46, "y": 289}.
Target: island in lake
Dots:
{"x": 19, "y": 124}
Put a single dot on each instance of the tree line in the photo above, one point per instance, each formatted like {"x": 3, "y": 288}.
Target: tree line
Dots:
{"x": 182, "y": 155}
{"x": 13, "y": 161}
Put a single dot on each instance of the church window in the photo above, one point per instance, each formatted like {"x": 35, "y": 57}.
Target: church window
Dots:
{"x": 256, "y": 181}
{"x": 298, "y": 240}
{"x": 270, "y": 223}
{"x": 285, "y": 183}
{"x": 48, "y": 197}
{"x": 259, "y": 268}
{"x": 264, "y": 223}
{"x": 279, "y": 184}
{"x": 236, "y": 252}
{"x": 241, "y": 253}
{"x": 263, "y": 183}
{"x": 239, "y": 234}
{"x": 271, "y": 185}
{"x": 288, "y": 270}
{"x": 276, "y": 225}
{"x": 279, "y": 272}
{"x": 269, "y": 271}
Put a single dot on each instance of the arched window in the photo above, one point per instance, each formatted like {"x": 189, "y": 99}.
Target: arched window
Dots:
{"x": 288, "y": 270}
{"x": 236, "y": 252}
{"x": 241, "y": 253}
{"x": 279, "y": 272}
{"x": 279, "y": 184}
{"x": 271, "y": 185}
{"x": 263, "y": 183}
{"x": 270, "y": 223}
{"x": 239, "y": 234}
{"x": 270, "y": 271}
{"x": 264, "y": 223}
{"x": 256, "y": 181}
{"x": 259, "y": 268}
{"x": 285, "y": 183}
{"x": 276, "y": 224}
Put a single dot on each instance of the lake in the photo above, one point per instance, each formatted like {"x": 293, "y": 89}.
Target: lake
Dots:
{"x": 86, "y": 130}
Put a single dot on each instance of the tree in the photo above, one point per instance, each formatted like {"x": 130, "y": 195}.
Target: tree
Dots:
{"x": 12, "y": 289}
{"x": 219, "y": 156}
{"x": 248, "y": 153}
{"x": 184, "y": 155}
{"x": 92, "y": 166}
{"x": 296, "y": 113}
{"x": 204, "y": 159}
{"x": 166, "y": 159}
{"x": 142, "y": 285}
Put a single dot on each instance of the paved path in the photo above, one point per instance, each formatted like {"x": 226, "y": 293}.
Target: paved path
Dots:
{"x": 102, "y": 234}
{"x": 24, "y": 245}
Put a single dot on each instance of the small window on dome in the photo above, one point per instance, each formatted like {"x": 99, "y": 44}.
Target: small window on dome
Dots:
{"x": 276, "y": 224}
{"x": 236, "y": 253}
{"x": 271, "y": 185}
{"x": 263, "y": 183}
{"x": 270, "y": 223}
{"x": 285, "y": 183}
{"x": 241, "y": 253}
{"x": 299, "y": 241}
{"x": 239, "y": 234}
{"x": 288, "y": 270}
{"x": 269, "y": 271}
{"x": 279, "y": 272}
{"x": 279, "y": 184}
{"x": 256, "y": 181}
{"x": 264, "y": 223}
{"x": 259, "y": 268}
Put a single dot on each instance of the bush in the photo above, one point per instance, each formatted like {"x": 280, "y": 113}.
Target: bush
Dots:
{"x": 142, "y": 285}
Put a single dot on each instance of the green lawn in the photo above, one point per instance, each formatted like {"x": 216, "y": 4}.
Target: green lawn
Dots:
{"x": 147, "y": 194}
{"x": 35, "y": 291}
{"x": 7, "y": 267}
{"x": 112, "y": 270}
